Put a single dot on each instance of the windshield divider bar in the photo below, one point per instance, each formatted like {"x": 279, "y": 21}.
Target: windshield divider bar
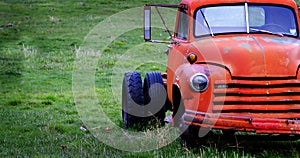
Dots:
{"x": 247, "y": 17}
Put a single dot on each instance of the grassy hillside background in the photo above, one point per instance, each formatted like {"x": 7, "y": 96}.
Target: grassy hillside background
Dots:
{"x": 38, "y": 116}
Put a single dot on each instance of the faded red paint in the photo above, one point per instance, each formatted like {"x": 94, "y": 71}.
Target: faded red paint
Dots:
{"x": 254, "y": 78}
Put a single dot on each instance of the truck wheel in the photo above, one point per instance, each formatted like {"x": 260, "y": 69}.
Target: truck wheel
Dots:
{"x": 132, "y": 94}
{"x": 155, "y": 96}
{"x": 192, "y": 139}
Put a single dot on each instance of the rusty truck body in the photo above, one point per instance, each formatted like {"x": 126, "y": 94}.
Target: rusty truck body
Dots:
{"x": 233, "y": 65}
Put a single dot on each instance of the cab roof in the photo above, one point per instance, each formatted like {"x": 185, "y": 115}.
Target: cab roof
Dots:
{"x": 193, "y": 4}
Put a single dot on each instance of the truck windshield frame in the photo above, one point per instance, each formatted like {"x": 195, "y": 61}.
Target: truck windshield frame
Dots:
{"x": 244, "y": 19}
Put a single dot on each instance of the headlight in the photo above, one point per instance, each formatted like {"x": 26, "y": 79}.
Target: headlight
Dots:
{"x": 199, "y": 82}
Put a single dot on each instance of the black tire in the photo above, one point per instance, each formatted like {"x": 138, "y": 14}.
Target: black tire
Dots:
{"x": 132, "y": 95}
{"x": 192, "y": 139}
{"x": 156, "y": 99}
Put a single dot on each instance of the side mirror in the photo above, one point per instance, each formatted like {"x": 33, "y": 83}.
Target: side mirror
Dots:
{"x": 147, "y": 23}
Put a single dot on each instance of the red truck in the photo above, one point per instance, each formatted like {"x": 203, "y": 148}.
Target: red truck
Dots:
{"x": 233, "y": 65}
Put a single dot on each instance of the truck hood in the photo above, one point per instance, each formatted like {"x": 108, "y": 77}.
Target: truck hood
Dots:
{"x": 252, "y": 55}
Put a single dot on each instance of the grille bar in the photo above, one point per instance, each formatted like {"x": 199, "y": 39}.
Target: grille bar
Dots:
{"x": 287, "y": 115}
{"x": 228, "y": 100}
{"x": 257, "y": 92}
{"x": 262, "y": 108}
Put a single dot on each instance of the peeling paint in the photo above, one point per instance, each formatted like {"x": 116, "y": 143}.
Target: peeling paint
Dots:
{"x": 287, "y": 62}
{"x": 246, "y": 46}
{"x": 279, "y": 40}
{"x": 227, "y": 50}
{"x": 222, "y": 39}
{"x": 242, "y": 39}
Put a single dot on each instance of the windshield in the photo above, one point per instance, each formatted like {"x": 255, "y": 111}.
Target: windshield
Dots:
{"x": 245, "y": 18}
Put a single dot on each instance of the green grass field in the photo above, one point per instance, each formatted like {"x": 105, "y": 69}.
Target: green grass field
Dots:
{"x": 40, "y": 46}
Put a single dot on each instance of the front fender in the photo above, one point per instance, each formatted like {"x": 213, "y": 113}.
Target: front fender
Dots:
{"x": 198, "y": 101}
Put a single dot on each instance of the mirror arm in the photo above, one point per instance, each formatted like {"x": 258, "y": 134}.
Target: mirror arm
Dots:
{"x": 164, "y": 22}
{"x": 181, "y": 6}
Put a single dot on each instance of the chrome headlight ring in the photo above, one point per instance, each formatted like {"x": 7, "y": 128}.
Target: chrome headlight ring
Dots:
{"x": 199, "y": 82}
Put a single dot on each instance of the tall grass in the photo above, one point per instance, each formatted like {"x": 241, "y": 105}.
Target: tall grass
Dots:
{"x": 38, "y": 116}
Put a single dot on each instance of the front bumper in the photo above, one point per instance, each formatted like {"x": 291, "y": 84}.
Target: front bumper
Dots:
{"x": 242, "y": 123}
